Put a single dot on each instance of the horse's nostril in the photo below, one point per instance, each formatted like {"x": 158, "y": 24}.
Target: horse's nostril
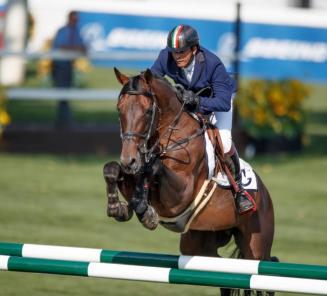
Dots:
{"x": 132, "y": 162}
{"x": 133, "y": 165}
{"x": 129, "y": 165}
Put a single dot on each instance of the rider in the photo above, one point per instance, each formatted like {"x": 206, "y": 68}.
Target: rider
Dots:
{"x": 196, "y": 68}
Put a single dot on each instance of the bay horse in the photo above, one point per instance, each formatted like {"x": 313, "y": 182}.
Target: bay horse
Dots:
{"x": 162, "y": 169}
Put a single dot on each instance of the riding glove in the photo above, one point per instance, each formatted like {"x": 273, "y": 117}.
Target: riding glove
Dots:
{"x": 179, "y": 90}
{"x": 191, "y": 100}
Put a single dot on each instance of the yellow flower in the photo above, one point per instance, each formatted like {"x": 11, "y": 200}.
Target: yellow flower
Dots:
{"x": 44, "y": 67}
{"x": 280, "y": 110}
{"x": 296, "y": 116}
{"x": 275, "y": 96}
{"x": 4, "y": 118}
{"x": 269, "y": 108}
{"x": 260, "y": 117}
{"x": 82, "y": 65}
{"x": 259, "y": 97}
{"x": 245, "y": 112}
{"x": 277, "y": 126}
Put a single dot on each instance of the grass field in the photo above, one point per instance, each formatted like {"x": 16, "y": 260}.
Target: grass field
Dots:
{"x": 61, "y": 200}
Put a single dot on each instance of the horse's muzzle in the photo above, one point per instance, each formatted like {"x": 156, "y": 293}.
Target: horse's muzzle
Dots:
{"x": 131, "y": 166}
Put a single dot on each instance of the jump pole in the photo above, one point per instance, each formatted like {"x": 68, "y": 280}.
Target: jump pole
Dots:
{"x": 163, "y": 275}
{"x": 240, "y": 266}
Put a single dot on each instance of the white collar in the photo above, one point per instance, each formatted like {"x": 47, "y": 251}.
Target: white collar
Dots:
{"x": 189, "y": 70}
{"x": 190, "y": 67}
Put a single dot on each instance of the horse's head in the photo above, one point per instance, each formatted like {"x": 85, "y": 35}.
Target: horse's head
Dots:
{"x": 138, "y": 113}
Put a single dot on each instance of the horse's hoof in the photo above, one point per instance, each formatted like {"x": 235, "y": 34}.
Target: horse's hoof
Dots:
{"x": 150, "y": 218}
{"x": 274, "y": 259}
{"x": 113, "y": 209}
{"x": 126, "y": 212}
{"x": 120, "y": 211}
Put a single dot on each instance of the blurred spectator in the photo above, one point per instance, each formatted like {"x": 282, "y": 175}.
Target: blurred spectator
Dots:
{"x": 67, "y": 38}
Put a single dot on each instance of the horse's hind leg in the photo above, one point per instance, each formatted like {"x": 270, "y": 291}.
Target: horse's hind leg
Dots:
{"x": 255, "y": 235}
{"x": 254, "y": 246}
{"x": 203, "y": 243}
{"x": 117, "y": 209}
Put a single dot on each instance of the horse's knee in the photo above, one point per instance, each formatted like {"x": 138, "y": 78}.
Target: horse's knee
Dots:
{"x": 111, "y": 171}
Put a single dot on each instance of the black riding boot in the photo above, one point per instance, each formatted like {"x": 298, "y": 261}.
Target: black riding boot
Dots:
{"x": 243, "y": 201}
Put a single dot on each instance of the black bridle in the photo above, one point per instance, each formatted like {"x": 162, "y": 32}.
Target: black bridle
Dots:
{"x": 148, "y": 153}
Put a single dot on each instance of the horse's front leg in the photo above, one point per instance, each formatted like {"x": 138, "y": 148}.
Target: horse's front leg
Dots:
{"x": 121, "y": 211}
{"x": 146, "y": 214}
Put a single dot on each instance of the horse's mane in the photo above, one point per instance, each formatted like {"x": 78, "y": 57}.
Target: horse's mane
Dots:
{"x": 169, "y": 85}
{"x": 134, "y": 84}
{"x": 163, "y": 79}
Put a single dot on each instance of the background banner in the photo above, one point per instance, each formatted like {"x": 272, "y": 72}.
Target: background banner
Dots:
{"x": 268, "y": 51}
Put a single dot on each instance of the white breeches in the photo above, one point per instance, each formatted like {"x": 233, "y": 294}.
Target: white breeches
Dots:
{"x": 224, "y": 121}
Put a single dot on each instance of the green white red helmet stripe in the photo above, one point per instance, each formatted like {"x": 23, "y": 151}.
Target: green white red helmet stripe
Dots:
{"x": 175, "y": 37}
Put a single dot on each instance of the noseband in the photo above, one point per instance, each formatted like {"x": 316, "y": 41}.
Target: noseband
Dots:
{"x": 148, "y": 133}
{"x": 148, "y": 153}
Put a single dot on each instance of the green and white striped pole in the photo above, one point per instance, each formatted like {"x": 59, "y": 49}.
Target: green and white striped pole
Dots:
{"x": 164, "y": 275}
{"x": 161, "y": 260}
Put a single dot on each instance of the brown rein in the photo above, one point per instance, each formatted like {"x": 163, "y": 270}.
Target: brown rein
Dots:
{"x": 149, "y": 153}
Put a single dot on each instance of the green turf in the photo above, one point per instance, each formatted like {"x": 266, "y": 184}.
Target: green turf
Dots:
{"x": 61, "y": 200}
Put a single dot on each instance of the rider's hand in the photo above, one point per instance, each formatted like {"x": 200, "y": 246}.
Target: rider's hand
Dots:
{"x": 179, "y": 90}
{"x": 191, "y": 100}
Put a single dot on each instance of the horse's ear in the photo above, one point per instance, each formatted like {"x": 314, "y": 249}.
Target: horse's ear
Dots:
{"x": 123, "y": 79}
{"x": 148, "y": 76}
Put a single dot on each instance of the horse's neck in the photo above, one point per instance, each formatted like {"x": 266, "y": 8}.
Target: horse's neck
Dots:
{"x": 172, "y": 114}
{"x": 175, "y": 126}
{"x": 168, "y": 103}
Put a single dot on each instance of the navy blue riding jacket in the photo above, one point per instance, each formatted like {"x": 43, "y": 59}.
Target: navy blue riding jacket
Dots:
{"x": 209, "y": 71}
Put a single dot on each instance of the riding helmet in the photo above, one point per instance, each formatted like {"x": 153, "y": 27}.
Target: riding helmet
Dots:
{"x": 181, "y": 38}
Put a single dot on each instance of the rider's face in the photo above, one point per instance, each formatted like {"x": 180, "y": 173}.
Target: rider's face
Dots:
{"x": 184, "y": 58}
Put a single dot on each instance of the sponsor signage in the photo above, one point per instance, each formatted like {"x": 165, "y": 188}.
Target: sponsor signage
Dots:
{"x": 269, "y": 51}
{"x": 280, "y": 51}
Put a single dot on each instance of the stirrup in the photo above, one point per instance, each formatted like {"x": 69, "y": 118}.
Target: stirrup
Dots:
{"x": 249, "y": 208}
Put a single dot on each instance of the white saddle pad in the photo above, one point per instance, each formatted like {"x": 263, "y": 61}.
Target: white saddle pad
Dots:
{"x": 249, "y": 180}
